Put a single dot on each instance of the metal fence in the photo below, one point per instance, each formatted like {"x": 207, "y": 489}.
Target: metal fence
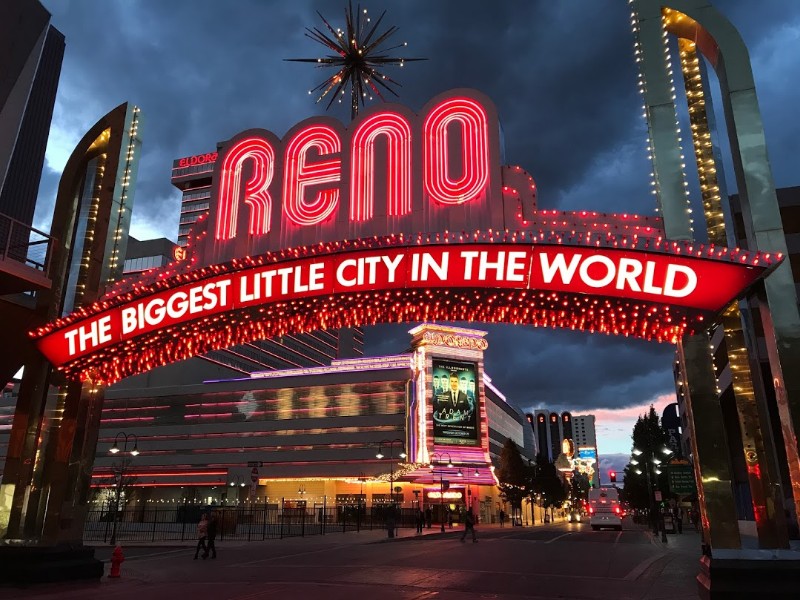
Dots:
{"x": 24, "y": 244}
{"x": 249, "y": 522}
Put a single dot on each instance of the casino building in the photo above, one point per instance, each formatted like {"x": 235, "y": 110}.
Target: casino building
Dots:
{"x": 315, "y": 432}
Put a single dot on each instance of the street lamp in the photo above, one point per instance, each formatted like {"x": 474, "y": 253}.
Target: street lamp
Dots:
{"x": 475, "y": 473}
{"x": 389, "y": 445}
{"x": 651, "y": 461}
{"x": 236, "y": 481}
{"x": 439, "y": 457}
{"x": 119, "y": 472}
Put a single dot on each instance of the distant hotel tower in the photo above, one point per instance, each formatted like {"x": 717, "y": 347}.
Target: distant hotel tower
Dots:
{"x": 551, "y": 429}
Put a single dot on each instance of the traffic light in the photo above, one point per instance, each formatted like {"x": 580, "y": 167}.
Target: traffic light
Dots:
{"x": 612, "y": 476}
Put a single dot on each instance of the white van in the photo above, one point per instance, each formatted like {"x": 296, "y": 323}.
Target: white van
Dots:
{"x": 604, "y": 508}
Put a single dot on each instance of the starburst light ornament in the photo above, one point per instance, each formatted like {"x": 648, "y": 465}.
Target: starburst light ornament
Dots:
{"x": 357, "y": 58}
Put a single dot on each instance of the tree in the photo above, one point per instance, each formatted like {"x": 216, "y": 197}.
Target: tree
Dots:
{"x": 547, "y": 483}
{"x": 512, "y": 475}
{"x": 105, "y": 493}
{"x": 649, "y": 437}
{"x": 580, "y": 486}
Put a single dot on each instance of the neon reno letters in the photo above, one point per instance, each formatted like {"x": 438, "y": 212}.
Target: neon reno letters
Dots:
{"x": 453, "y": 144}
{"x": 642, "y": 281}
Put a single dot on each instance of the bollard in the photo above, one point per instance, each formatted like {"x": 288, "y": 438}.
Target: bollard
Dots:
{"x": 116, "y": 560}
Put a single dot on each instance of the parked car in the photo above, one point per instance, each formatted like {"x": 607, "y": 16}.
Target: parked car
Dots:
{"x": 574, "y": 516}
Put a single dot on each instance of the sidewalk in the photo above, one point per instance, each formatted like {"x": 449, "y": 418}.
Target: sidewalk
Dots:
{"x": 674, "y": 575}
{"x": 356, "y": 537}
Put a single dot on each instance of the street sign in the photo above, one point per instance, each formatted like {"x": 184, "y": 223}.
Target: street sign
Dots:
{"x": 255, "y": 463}
{"x": 681, "y": 480}
{"x": 254, "y": 474}
{"x": 658, "y": 495}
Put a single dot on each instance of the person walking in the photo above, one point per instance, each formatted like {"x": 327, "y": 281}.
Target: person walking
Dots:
{"x": 212, "y": 535}
{"x": 502, "y": 518}
{"x": 429, "y": 516}
{"x": 469, "y": 525}
{"x": 202, "y": 535}
{"x": 420, "y": 520}
{"x": 677, "y": 515}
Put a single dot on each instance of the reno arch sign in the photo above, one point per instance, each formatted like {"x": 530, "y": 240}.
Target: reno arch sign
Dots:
{"x": 397, "y": 218}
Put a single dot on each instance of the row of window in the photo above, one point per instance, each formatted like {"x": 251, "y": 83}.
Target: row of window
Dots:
{"x": 196, "y": 193}
{"x": 183, "y": 172}
{"x": 133, "y": 265}
{"x": 194, "y": 207}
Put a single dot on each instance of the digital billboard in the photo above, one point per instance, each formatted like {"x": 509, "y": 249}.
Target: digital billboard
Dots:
{"x": 455, "y": 403}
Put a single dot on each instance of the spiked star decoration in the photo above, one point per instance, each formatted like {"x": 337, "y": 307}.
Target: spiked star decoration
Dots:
{"x": 357, "y": 59}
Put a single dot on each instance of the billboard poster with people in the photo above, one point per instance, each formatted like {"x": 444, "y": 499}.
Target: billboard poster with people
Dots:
{"x": 455, "y": 403}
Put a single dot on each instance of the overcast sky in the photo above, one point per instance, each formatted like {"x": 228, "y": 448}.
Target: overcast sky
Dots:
{"x": 562, "y": 76}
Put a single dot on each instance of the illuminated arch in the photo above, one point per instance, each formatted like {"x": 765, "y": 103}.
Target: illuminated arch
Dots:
{"x": 510, "y": 279}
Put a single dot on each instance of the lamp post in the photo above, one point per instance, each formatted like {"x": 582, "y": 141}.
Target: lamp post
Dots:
{"x": 650, "y": 459}
{"x": 389, "y": 445}
{"x": 439, "y": 457}
{"x": 475, "y": 473}
{"x": 119, "y": 472}
{"x": 361, "y": 499}
{"x": 237, "y": 481}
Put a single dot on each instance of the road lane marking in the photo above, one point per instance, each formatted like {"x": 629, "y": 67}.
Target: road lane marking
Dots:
{"x": 559, "y": 537}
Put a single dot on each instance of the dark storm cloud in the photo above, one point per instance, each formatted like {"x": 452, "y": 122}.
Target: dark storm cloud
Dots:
{"x": 561, "y": 73}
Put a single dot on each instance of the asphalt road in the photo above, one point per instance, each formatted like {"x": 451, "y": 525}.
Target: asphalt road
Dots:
{"x": 553, "y": 561}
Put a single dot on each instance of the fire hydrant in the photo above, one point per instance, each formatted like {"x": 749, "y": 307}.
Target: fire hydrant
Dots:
{"x": 116, "y": 560}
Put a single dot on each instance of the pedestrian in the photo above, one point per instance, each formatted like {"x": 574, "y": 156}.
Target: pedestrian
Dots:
{"x": 202, "y": 535}
{"x": 212, "y": 535}
{"x": 449, "y": 518}
{"x": 502, "y": 518}
{"x": 678, "y": 516}
{"x": 391, "y": 522}
{"x": 420, "y": 520}
{"x": 469, "y": 525}
{"x": 429, "y": 516}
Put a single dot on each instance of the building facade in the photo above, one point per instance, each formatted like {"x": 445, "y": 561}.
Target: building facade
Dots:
{"x": 315, "y": 430}
{"x": 91, "y": 220}
{"x": 31, "y": 51}
{"x": 143, "y": 255}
